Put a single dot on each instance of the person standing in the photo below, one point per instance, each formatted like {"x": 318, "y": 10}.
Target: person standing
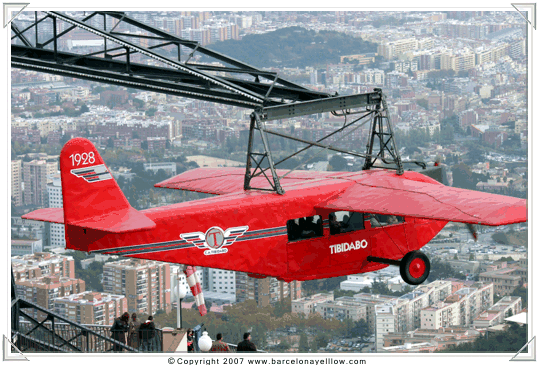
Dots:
{"x": 119, "y": 329}
{"x": 246, "y": 345}
{"x": 219, "y": 345}
{"x": 133, "y": 331}
{"x": 147, "y": 331}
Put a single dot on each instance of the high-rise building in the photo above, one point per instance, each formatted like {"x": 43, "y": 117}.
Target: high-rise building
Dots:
{"x": 91, "y": 307}
{"x": 459, "y": 308}
{"x": 370, "y": 301}
{"x": 265, "y": 291}
{"x": 35, "y": 181}
{"x": 57, "y": 233}
{"x": 146, "y": 284}
{"x": 44, "y": 289}
{"x": 42, "y": 264}
{"x": 403, "y": 313}
{"x": 16, "y": 182}
{"x": 220, "y": 281}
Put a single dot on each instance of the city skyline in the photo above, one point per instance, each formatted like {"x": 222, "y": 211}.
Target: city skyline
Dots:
{"x": 498, "y": 73}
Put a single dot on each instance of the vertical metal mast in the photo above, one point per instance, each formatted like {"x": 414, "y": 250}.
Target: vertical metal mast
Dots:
{"x": 382, "y": 129}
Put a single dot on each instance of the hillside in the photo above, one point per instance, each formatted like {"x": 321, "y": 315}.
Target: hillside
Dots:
{"x": 511, "y": 238}
{"x": 293, "y": 47}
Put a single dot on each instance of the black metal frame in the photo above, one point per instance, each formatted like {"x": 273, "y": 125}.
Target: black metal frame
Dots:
{"x": 382, "y": 129}
{"x": 273, "y": 99}
{"x": 172, "y": 76}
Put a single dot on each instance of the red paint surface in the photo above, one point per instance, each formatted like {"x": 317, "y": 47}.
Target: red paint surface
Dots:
{"x": 99, "y": 218}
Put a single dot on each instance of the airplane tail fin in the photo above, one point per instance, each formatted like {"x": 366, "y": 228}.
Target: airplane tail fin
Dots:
{"x": 91, "y": 197}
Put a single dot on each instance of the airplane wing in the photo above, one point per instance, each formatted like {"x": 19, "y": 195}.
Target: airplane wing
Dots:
{"x": 225, "y": 180}
{"x": 54, "y": 215}
{"x": 399, "y": 195}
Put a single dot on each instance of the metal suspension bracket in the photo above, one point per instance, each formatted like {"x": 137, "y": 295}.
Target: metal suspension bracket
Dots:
{"x": 258, "y": 158}
{"x": 381, "y": 129}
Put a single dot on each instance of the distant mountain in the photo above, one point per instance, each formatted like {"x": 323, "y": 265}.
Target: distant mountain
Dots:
{"x": 293, "y": 47}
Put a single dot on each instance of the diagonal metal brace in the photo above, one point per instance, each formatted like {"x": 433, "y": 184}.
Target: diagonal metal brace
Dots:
{"x": 256, "y": 123}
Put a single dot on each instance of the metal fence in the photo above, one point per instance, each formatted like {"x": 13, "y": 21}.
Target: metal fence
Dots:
{"x": 67, "y": 338}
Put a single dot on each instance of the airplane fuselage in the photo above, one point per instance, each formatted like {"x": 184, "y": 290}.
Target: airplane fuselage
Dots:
{"x": 248, "y": 231}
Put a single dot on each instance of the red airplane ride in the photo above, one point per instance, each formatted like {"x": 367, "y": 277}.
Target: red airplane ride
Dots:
{"x": 326, "y": 224}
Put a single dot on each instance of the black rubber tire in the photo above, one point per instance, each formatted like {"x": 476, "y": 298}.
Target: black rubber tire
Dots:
{"x": 406, "y": 262}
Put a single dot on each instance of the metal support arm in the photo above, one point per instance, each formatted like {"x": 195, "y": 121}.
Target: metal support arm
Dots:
{"x": 251, "y": 156}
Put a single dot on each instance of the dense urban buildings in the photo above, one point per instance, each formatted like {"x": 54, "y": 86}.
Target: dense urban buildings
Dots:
{"x": 265, "y": 291}
{"x": 91, "y": 307}
{"x": 452, "y": 80}
{"x": 145, "y": 284}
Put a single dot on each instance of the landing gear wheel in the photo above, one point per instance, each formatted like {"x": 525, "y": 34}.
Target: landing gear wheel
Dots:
{"x": 414, "y": 267}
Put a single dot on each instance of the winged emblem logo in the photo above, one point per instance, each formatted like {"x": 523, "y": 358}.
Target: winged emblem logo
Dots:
{"x": 93, "y": 173}
{"x": 215, "y": 238}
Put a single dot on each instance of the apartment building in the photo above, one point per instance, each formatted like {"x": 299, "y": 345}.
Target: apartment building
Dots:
{"x": 220, "y": 281}
{"x": 461, "y": 61}
{"x": 265, "y": 291}
{"x": 25, "y": 247}
{"x": 403, "y": 313}
{"x": 57, "y": 235}
{"x": 42, "y": 264}
{"x": 43, "y": 290}
{"x": 505, "y": 280}
{"x": 394, "y": 49}
{"x": 307, "y": 305}
{"x": 459, "y": 308}
{"x": 506, "y": 307}
{"x": 91, "y": 307}
{"x": 370, "y": 301}
{"x": 35, "y": 181}
{"x": 341, "y": 310}
{"x": 16, "y": 182}
{"x": 146, "y": 284}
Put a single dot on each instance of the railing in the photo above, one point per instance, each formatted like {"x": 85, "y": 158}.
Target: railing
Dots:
{"x": 233, "y": 347}
{"x": 102, "y": 342}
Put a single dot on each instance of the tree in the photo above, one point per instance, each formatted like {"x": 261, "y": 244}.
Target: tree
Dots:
{"x": 303, "y": 345}
{"x": 138, "y": 103}
{"x": 110, "y": 142}
{"x": 65, "y": 138}
{"x": 522, "y": 292}
{"x": 84, "y": 109}
{"x": 360, "y": 329}
{"x": 471, "y": 257}
{"x": 423, "y": 103}
{"x": 321, "y": 340}
{"x": 150, "y": 112}
{"x": 338, "y": 163}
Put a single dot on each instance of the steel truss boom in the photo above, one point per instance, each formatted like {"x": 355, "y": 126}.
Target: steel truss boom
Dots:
{"x": 223, "y": 80}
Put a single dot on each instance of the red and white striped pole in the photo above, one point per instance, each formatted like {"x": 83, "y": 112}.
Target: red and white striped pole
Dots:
{"x": 195, "y": 286}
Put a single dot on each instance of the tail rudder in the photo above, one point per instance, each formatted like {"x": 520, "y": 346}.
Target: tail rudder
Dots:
{"x": 91, "y": 196}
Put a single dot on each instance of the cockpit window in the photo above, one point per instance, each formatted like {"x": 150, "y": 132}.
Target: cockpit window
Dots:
{"x": 343, "y": 221}
{"x": 379, "y": 220}
{"x": 305, "y": 227}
